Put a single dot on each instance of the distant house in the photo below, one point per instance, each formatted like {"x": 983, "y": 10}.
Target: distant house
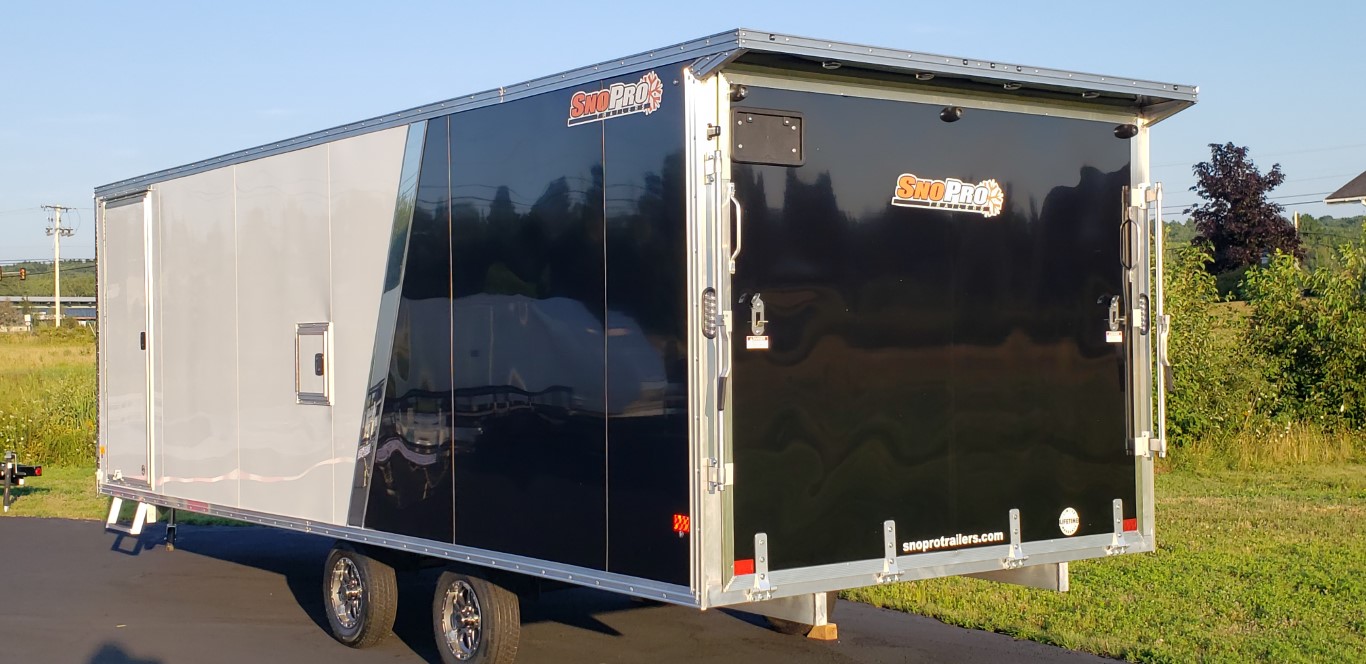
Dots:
{"x": 1352, "y": 192}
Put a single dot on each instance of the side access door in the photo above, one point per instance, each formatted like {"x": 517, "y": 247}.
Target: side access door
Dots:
{"x": 125, "y": 331}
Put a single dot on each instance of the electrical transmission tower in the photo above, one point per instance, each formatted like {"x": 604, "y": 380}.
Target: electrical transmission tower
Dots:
{"x": 57, "y": 233}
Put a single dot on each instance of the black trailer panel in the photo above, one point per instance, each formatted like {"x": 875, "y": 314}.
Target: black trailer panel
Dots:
{"x": 936, "y": 366}
{"x": 534, "y": 401}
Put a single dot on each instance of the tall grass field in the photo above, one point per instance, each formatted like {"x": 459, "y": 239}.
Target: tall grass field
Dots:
{"x": 47, "y": 396}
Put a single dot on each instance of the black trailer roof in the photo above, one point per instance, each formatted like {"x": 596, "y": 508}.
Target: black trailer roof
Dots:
{"x": 1155, "y": 100}
{"x": 1352, "y": 192}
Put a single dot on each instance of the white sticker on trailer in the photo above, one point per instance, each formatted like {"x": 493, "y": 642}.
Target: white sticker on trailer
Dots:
{"x": 1114, "y": 336}
{"x": 1069, "y": 522}
{"x": 756, "y": 343}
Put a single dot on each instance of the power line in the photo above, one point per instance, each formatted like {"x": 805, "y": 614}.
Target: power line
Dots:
{"x": 1175, "y": 206}
{"x": 1273, "y": 154}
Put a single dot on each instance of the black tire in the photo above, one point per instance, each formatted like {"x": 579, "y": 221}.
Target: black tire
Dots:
{"x": 360, "y": 597}
{"x": 492, "y": 624}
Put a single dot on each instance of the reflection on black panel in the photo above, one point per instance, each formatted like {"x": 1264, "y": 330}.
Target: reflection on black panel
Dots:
{"x": 936, "y": 367}
{"x": 647, "y": 387}
{"x": 410, "y": 485}
{"x": 527, "y": 265}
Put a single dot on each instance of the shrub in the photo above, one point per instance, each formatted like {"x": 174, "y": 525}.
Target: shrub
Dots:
{"x": 1216, "y": 387}
{"x": 1311, "y": 328}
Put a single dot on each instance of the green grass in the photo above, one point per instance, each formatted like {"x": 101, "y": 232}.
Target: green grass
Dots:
{"x": 68, "y": 493}
{"x": 1251, "y": 566}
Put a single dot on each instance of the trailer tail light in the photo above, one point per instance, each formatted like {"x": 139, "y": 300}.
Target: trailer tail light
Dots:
{"x": 1130, "y": 525}
{"x": 743, "y": 567}
{"x": 37, "y": 471}
{"x": 682, "y": 524}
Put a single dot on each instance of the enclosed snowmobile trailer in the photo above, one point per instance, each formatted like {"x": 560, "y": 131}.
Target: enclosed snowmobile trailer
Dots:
{"x": 739, "y": 321}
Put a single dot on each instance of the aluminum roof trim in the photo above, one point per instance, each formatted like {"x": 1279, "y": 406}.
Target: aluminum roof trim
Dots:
{"x": 710, "y": 53}
{"x": 966, "y": 67}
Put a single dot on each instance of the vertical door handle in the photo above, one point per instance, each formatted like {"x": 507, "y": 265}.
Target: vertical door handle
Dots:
{"x": 142, "y": 340}
{"x": 317, "y": 364}
{"x": 739, "y": 225}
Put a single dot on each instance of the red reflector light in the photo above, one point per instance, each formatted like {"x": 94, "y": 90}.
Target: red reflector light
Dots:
{"x": 1130, "y": 525}
{"x": 37, "y": 471}
{"x": 682, "y": 523}
{"x": 745, "y": 566}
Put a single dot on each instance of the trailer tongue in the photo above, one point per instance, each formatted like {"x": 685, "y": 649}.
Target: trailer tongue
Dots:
{"x": 13, "y": 474}
{"x": 743, "y": 321}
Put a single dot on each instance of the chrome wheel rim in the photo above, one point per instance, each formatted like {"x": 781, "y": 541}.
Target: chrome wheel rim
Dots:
{"x": 461, "y": 620}
{"x": 347, "y": 593}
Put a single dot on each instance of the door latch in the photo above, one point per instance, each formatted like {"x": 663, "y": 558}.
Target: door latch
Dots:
{"x": 1116, "y": 319}
{"x": 757, "y": 321}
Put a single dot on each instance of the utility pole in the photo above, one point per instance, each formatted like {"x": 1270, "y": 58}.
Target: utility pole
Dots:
{"x": 57, "y": 233}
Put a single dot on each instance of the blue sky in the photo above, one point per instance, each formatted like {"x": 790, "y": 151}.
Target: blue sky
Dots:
{"x": 95, "y": 92}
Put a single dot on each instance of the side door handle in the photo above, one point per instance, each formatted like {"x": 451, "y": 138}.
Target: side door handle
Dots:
{"x": 739, "y": 225}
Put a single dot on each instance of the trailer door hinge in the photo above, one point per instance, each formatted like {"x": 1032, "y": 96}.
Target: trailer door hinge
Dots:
{"x": 1146, "y": 443}
{"x": 712, "y": 131}
{"x": 1117, "y": 543}
{"x": 763, "y": 587}
{"x": 1015, "y": 557}
{"x": 710, "y": 164}
{"x": 891, "y": 573}
{"x": 1158, "y": 445}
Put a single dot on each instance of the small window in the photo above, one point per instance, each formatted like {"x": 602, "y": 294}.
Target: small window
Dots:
{"x": 311, "y": 381}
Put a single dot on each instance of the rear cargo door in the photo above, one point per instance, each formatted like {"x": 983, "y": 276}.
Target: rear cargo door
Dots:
{"x": 125, "y": 339}
{"x": 920, "y": 326}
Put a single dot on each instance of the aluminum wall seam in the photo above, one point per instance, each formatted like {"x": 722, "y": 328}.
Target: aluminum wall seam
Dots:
{"x": 328, "y": 337}
{"x": 450, "y": 295}
{"x": 150, "y": 247}
{"x": 237, "y": 333}
{"x": 607, "y": 414}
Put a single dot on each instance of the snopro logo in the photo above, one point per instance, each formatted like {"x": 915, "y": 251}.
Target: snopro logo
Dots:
{"x": 985, "y": 198}
{"x": 643, "y": 96}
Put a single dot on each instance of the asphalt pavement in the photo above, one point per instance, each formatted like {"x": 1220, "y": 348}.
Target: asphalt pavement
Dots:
{"x": 71, "y": 592}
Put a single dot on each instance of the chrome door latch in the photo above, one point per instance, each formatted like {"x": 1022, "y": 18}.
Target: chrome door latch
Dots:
{"x": 757, "y": 320}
